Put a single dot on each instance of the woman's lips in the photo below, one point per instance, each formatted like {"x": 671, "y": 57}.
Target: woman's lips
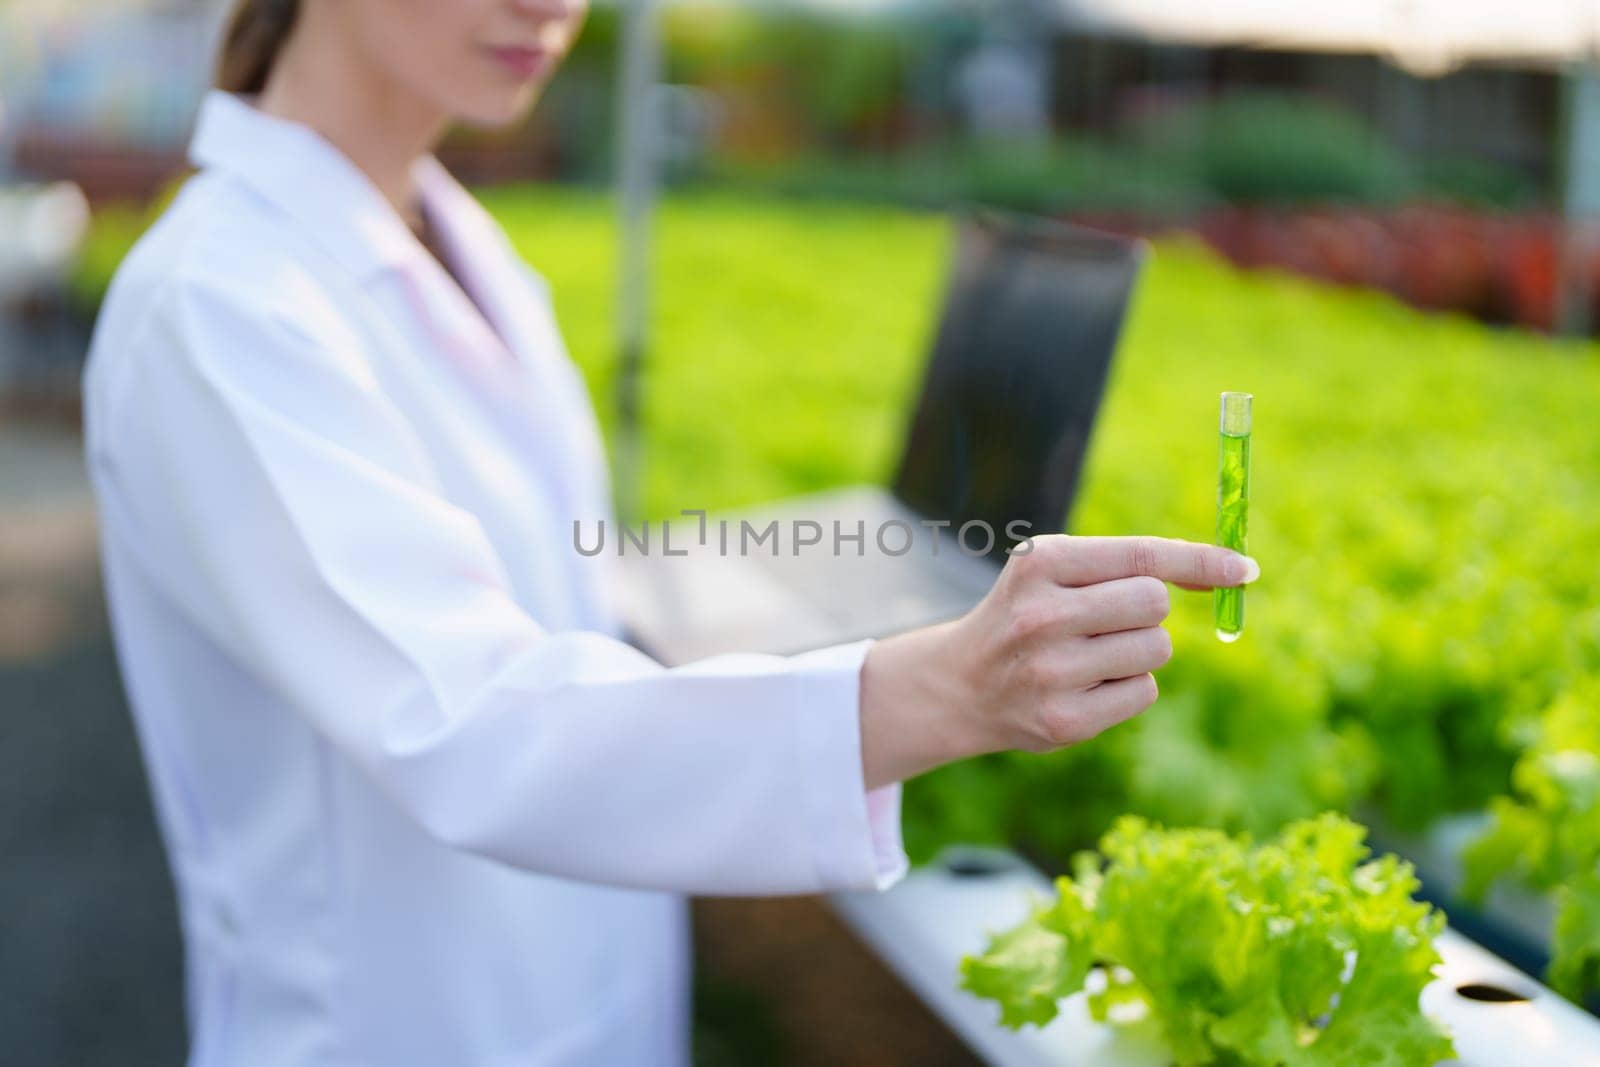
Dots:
{"x": 525, "y": 63}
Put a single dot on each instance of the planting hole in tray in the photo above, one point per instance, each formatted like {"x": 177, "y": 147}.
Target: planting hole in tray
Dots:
{"x": 973, "y": 863}
{"x": 1489, "y": 993}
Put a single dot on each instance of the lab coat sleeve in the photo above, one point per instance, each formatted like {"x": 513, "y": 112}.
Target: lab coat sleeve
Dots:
{"x": 276, "y": 494}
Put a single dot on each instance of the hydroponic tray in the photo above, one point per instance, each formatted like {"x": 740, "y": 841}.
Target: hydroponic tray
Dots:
{"x": 1514, "y": 921}
{"x": 946, "y": 910}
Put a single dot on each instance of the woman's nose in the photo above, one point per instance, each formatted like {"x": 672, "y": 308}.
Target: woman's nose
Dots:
{"x": 549, "y": 10}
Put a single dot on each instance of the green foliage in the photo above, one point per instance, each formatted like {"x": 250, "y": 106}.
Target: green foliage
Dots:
{"x": 1245, "y": 147}
{"x": 1274, "y": 148}
{"x": 785, "y": 340}
{"x": 1477, "y": 182}
{"x": 1424, "y": 503}
{"x": 803, "y": 76}
{"x": 113, "y": 229}
{"x": 1575, "y": 946}
{"x": 1030, "y": 968}
{"x": 1066, "y": 174}
{"x": 1403, "y": 522}
{"x": 1423, "y": 499}
{"x": 112, "y": 232}
{"x": 1547, "y": 835}
{"x": 1300, "y": 952}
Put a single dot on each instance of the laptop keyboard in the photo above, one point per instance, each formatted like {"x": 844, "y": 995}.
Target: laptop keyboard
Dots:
{"x": 718, "y": 598}
{"x": 855, "y": 591}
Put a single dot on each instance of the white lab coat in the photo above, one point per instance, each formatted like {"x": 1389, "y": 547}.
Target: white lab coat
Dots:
{"x": 423, "y": 805}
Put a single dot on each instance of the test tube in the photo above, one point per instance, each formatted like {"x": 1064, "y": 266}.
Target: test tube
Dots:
{"x": 1233, "y": 503}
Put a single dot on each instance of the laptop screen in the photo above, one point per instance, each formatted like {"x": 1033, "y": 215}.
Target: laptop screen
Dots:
{"x": 1031, "y": 318}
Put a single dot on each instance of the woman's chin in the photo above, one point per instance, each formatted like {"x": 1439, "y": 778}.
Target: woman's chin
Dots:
{"x": 500, "y": 110}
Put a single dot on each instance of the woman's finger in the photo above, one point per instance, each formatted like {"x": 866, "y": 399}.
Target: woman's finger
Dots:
{"x": 1128, "y": 653}
{"x": 1120, "y": 604}
{"x": 1117, "y": 701}
{"x": 1080, "y": 561}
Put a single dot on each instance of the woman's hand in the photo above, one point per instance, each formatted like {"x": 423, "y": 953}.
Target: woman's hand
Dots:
{"x": 1061, "y": 648}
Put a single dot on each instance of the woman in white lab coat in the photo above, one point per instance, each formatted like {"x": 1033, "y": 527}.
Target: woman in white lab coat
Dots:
{"x": 423, "y": 805}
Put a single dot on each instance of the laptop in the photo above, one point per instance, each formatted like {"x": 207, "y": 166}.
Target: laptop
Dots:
{"x": 993, "y": 454}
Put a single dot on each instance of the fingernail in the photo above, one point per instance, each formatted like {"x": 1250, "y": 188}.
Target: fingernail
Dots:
{"x": 1252, "y": 571}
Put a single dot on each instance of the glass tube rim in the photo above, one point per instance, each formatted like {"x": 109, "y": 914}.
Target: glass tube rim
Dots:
{"x": 1234, "y": 412}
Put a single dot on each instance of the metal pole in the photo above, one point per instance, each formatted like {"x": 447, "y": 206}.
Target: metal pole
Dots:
{"x": 18, "y": 43}
{"x": 637, "y": 158}
{"x": 1580, "y": 196}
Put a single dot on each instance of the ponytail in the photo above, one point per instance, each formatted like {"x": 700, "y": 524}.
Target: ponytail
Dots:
{"x": 255, "y": 35}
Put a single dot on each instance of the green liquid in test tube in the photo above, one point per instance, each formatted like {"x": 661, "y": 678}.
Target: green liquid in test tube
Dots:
{"x": 1233, "y": 503}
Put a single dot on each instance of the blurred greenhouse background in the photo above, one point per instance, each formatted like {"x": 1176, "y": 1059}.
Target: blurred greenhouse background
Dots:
{"x": 1382, "y": 229}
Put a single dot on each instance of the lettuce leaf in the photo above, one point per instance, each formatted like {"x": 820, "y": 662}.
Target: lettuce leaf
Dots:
{"x": 1547, "y": 836}
{"x": 1298, "y": 952}
{"x": 1575, "y": 963}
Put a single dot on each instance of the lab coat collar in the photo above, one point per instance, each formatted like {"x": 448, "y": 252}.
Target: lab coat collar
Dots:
{"x": 485, "y": 263}
{"x": 294, "y": 167}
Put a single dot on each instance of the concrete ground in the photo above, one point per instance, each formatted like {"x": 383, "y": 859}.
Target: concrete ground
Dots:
{"x": 90, "y": 964}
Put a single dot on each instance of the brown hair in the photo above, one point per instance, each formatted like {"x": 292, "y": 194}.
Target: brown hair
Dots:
{"x": 256, "y": 32}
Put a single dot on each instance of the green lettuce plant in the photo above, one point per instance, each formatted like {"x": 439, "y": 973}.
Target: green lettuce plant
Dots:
{"x": 1547, "y": 836}
{"x": 1299, "y": 952}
